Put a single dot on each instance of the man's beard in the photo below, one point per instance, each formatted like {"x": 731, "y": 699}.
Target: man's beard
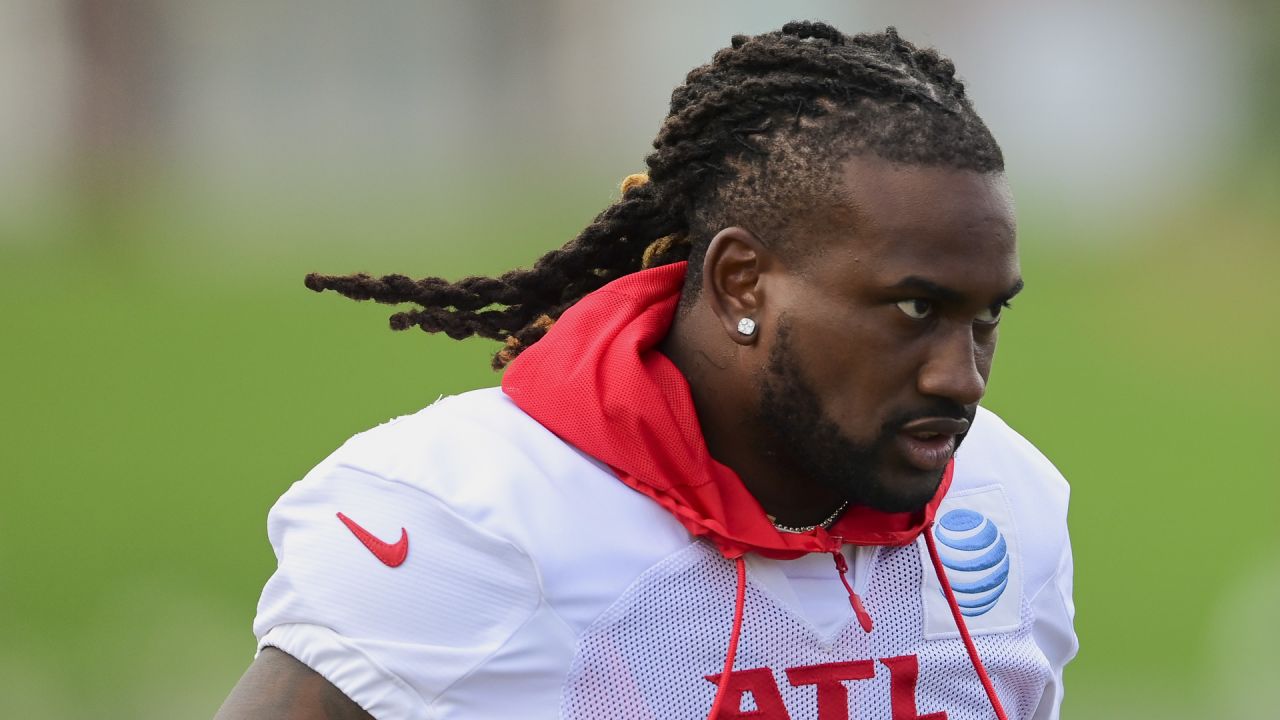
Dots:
{"x": 805, "y": 439}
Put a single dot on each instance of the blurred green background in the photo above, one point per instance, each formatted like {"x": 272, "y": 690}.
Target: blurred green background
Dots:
{"x": 172, "y": 172}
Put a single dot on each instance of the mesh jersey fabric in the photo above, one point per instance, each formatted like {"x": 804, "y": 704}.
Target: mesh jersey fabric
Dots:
{"x": 538, "y": 586}
{"x": 649, "y": 656}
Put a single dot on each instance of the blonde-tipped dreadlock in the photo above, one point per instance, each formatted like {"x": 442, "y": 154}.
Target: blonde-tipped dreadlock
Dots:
{"x": 634, "y": 180}
{"x": 512, "y": 347}
{"x": 660, "y": 247}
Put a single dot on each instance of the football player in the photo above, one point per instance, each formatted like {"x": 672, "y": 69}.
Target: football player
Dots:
{"x": 736, "y": 467}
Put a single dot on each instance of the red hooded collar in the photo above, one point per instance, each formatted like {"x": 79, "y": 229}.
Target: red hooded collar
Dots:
{"x": 598, "y": 382}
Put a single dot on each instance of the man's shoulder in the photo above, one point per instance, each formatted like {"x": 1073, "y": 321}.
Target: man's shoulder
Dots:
{"x": 995, "y": 452}
{"x": 1002, "y": 476}
{"x": 477, "y": 453}
{"x": 453, "y": 428}
{"x": 487, "y": 461}
{"x": 476, "y": 468}
{"x": 476, "y": 442}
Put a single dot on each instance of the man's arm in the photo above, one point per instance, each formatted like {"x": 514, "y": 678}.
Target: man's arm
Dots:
{"x": 277, "y": 686}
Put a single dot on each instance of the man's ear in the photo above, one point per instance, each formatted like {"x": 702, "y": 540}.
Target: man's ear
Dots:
{"x": 731, "y": 272}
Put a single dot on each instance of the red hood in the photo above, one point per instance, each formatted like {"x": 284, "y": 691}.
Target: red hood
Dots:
{"x": 598, "y": 381}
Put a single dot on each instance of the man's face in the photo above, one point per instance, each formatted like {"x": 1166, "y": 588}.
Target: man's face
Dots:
{"x": 883, "y": 334}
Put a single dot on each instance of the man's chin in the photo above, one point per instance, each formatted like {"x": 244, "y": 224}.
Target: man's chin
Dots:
{"x": 901, "y": 492}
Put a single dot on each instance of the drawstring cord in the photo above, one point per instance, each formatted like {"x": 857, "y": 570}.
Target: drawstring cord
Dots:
{"x": 959, "y": 618}
{"x": 738, "y": 604}
{"x": 864, "y": 617}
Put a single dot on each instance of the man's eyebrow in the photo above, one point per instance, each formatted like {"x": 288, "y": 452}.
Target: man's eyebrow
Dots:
{"x": 915, "y": 283}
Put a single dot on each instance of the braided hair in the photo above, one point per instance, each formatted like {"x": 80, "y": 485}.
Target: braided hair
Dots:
{"x": 751, "y": 137}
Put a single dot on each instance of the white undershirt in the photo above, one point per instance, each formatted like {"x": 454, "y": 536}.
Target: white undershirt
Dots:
{"x": 811, "y": 585}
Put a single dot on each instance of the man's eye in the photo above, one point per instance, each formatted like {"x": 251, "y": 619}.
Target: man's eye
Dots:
{"x": 916, "y": 309}
{"x": 990, "y": 316}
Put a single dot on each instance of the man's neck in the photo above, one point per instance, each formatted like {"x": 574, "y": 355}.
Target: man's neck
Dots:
{"x": 725, "y": 399}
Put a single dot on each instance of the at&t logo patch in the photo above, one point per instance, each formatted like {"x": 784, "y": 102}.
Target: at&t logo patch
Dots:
{"x": 976, "y": 556}
{"x": 976, "y": 542}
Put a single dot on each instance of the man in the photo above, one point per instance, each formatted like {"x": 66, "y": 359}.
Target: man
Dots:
{"x": 723, "y": 475}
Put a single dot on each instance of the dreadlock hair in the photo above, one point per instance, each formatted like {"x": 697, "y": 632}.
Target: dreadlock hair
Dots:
{"x": 754, "y": 135}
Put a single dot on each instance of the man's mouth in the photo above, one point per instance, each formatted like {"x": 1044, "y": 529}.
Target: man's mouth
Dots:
{"x": 929, "y": 443}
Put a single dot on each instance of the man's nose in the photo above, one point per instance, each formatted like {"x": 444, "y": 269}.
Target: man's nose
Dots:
{"x": 953, "y": 369}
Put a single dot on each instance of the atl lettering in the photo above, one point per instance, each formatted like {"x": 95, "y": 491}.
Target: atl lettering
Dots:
{"x": 829, "y": 681}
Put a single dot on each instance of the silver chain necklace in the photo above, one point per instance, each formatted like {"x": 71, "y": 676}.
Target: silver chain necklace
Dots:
{"x": 809, "y": 528}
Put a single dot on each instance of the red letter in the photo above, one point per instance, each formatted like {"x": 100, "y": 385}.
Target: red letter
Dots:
{"x": 764, "y": 691}
{"x": 833, "y": 696}
{"x": 903, "y": 673}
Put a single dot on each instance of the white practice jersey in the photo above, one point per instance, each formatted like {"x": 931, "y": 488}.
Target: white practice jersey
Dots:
{"x": 464, "y": 562}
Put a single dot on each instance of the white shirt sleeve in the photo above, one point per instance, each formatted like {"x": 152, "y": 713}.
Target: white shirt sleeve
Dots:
{"x": 1054, "y": 631}
{"x": 391, "y": 638}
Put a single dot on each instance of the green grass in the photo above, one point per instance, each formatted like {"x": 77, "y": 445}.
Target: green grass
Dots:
{"x": 160, "y": 391}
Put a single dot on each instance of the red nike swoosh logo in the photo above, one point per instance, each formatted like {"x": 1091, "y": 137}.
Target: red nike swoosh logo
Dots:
{"x": 391, "y": 554}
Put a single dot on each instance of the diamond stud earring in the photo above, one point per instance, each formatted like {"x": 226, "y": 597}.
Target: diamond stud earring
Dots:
{"x": 747, "y": 326}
